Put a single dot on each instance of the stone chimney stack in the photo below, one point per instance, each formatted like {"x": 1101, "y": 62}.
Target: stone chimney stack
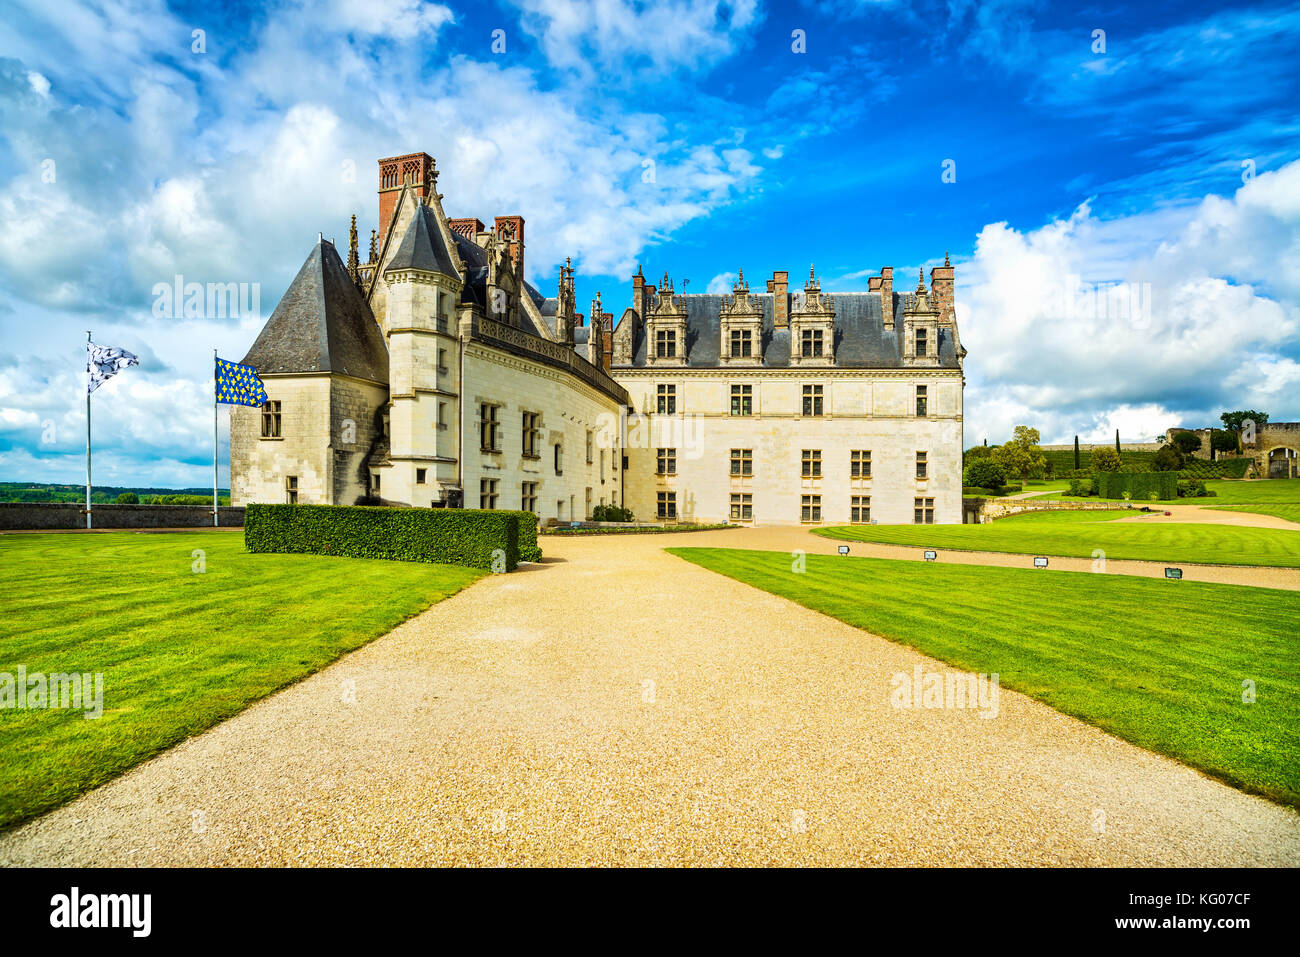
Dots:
{"x": 417, "y": 169}
{"x": 510, "y": 229}
{"x": 941, "y": 290}
{"x": 779, "y": 287}
{"x": 887, "y": 295}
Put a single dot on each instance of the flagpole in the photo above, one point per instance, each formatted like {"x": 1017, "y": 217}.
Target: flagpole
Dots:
{"x": 214, "y": 438}
{"x": 87, "y": 428}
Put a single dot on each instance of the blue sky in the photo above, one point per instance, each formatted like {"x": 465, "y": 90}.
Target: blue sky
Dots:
{"x": 1164, "y": 166}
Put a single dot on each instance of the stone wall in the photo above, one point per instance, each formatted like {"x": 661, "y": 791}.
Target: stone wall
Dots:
{"x": 979, "y": 510}
{"x": 57, "y": 515}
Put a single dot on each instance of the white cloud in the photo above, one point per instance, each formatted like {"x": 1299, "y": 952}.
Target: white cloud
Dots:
{"x": 1213, "y": 297}
{"x": 722, "y": 283}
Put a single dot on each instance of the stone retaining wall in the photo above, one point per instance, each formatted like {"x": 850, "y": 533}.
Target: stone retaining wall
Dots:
{"x": 57, "y": 515}
{"x": 980, "y": 510}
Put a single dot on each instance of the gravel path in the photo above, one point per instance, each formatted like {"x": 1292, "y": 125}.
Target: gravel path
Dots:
{"x": 616, "y": 705}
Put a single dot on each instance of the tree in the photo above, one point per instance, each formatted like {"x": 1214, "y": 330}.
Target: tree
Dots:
{"x": 1117, "y": 448}
{"x": 1022, "y": 456}
{"x": 1232, "y": 421}
{"x": 128, "y": 498}
{"x": 1187, "y": 442}
{"x": 1221, "y": 440}
{"x": 977, "y": 452}
{"x": 1105, "y": 459}
{"x": 983, "y": 473}
{"x": 1076, "y": 453}
{"x": 1168, "y": 458}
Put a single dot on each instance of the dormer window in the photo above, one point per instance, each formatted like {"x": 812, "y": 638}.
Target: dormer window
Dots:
{"x": 922, "y": 342}
{"x": 811, "y": 345}
{"x": 666, "y": 344}
{"x": 742, "y": 343}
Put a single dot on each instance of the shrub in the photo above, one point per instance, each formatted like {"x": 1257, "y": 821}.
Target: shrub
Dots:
{"x": 1168, "y": 458}
{"x": 611, "y": 513}
{"x": 442, "y": 536}
{"x": 128, "y": 498}
{"x": 1105, "y": 459}
{"x": 1079, "y": 487}
{"x": 1194, "y": 488}
{"x": 984, "y": 473}
{"x": 1138, "y": 485}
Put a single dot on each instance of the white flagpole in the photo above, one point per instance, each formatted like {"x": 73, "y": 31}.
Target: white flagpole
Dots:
{"x": 214, "y": 438}
{"x": 87, "y": 429}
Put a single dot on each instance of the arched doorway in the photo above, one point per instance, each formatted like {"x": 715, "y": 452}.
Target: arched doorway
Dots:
{"x": 1283, "y": 462}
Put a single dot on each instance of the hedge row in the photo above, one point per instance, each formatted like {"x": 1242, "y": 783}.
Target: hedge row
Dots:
{"x": 529, "y": 551}
{"x": 1141, "y": 486}
{"x": 443, "y": 536}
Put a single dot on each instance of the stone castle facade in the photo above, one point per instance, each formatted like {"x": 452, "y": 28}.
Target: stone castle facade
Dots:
{"x": 434, "y": 375}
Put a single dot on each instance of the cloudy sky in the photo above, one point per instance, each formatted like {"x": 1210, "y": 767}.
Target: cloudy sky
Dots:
{"x": 1122, "y": 207}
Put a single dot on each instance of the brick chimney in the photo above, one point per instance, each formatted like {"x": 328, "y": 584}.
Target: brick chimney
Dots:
{"x": 638, "y": 293}
{"x": 510, "y": 229}
{"x": 886, "y": 286}
{"x": 941, "y": 289}
{"x": 469, "y": 228}
{"x": 779, "y": 286}
{"x": 394, "y": 173}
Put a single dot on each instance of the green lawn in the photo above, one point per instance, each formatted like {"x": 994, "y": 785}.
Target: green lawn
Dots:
{"x": 179, "y": 651}
{"x": 1159, "y": 663}
{"x": 1079, "y": 533}
{"x": 1289, "y": 512}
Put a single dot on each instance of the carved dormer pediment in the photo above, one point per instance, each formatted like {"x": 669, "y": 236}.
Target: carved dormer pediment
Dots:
{"x": 666, "y": 328}
{"x": 812, "y": 326}
{"x": 921, "y": 319}
{"x": 741, "y": 326}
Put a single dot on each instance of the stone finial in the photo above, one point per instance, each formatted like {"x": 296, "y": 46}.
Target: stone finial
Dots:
{"x": 374, "y": 244}
{"x": 945, "y": 258}
{"x": 354, "y": 264}
{"x": 920, "y": 279}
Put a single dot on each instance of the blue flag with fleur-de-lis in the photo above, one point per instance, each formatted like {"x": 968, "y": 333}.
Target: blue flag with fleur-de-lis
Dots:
{"x": 239, "y": 385}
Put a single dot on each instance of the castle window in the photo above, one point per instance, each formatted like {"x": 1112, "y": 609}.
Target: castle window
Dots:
{"x": 922, "y": 401}
{"x": 811, "y": 344}
{"x": 860, "y": 463}
{"x": 742, "y": 343}
{"x": 487, "y": 493}
{"x": 271, "y": 419}
{"x": 666, "y": 344}
{"x": 559, "y": 459}
{"x": 532, "y": 435}
{"x": 666, "y": 399}
{"x": 810, "y": 508}
{"x": 291, "y": 489}
{"x": 442, "y": 416}
{"x": 923, "y": 511}
{"x": 742, "y": 507}
{"x": 442, "y": 361}
{"x": 667, "y": 505}
{"x": 812, "y": 399}
{"x": 666, "y": 460}
{"x": 742, "y": 461}
{"x": 742, "y": 400}
{"x": 922, "y": 466}
{"x": 591, "y": 457}
{"x": 489, "y": 434}
{"x": 860, "y": 509}
{"x": 528, "y": 497}
{"x": 812, "y": 463}
{"x": 921, "y": 343}
{"x": 419, "y": 476}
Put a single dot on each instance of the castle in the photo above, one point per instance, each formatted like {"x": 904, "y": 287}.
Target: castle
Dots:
{"x": 434, "y": 375}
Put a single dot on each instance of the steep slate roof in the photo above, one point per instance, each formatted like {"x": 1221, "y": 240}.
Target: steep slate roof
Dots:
{"x": 321, "y": 324}
{"x": 422, "y": 246}
{"x": 861, "y": 340}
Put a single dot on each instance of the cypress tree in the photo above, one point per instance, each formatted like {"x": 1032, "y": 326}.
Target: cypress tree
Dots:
{"x": 1117, "y": 449}
{"x": 1076, "y": 451}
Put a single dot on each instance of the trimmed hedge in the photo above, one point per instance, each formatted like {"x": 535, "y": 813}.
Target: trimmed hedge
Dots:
{"x": 529, "y": 551}
{"x": 1140, "y": 485}
{"x": 442, "y": 536}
